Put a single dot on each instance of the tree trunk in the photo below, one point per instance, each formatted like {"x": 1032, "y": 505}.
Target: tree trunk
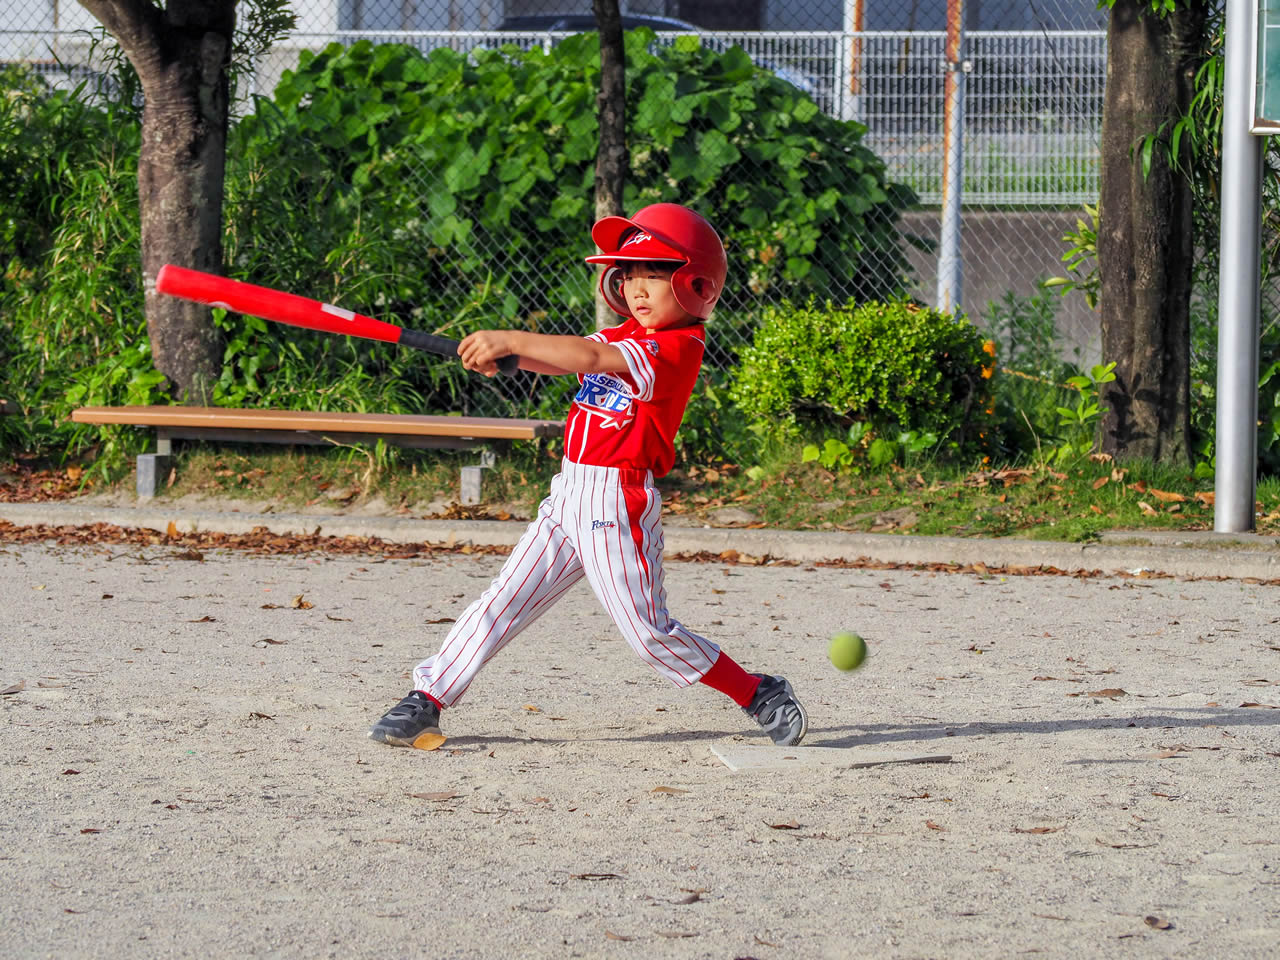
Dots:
{"x": 612, "y": 158}
{"x": 1145, "y": 248}
{"x": 181, "y": 55}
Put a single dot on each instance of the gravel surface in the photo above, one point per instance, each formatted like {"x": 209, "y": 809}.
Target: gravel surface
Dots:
{"x": 186, "y": 772}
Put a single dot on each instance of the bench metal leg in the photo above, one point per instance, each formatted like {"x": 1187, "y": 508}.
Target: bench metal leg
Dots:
{"x": 152, "y": 468}
{"x": 473, "y": 478}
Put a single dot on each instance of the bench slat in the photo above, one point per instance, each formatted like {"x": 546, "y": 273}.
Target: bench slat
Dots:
{"x": 372, "y": 423}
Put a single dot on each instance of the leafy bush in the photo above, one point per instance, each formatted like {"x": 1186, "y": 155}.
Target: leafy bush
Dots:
{"x": 896, "y": 366}
{"x": 454, "y": 190}
{"x": 71, "y": 299}
{"x": 1032, "y": 383}
{"x": 445, "y": 191}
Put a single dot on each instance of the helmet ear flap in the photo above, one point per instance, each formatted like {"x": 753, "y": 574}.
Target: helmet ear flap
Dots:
{"x": 611, "y": 289}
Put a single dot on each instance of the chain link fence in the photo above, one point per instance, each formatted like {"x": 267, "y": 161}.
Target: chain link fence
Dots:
{"x": 1034, "y": 76}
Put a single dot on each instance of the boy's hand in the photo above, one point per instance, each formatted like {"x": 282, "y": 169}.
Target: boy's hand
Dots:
{"x": 482, "y": 350}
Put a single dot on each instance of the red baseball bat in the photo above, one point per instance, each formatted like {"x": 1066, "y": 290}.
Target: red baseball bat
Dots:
{"x": 280, "y": 307}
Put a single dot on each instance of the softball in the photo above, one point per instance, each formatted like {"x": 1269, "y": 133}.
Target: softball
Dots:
{"x": 847, "y": 651}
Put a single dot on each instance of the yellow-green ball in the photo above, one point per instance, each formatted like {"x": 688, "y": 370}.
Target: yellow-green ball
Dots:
{"x": 847, "y": 651}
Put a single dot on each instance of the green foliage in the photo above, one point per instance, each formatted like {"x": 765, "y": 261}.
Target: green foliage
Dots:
{"x": 70, "y": 302}
{"x": 895, "y": 366}
{"x": 447, "y": 192}
{"x": 1031, "y": 384}
{"x": 502, "y": 144}
{"x": 1081, "y": 421}
{"x": 713, "y": 428}
{"x": 863, "y": 449}
{"x": 1081, "y": 259}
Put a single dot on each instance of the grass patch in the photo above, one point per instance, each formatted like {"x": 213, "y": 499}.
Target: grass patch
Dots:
{"x": 1074, "y": 503}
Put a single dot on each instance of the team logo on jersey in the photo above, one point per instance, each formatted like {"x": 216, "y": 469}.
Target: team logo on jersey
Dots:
{"x": 608, "y": 396}
{"x": 651, "y": 346}
{"x": 602, "y": 525}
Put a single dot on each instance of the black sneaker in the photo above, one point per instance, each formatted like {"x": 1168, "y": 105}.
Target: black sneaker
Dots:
{"x": 402, "y": 724}
{"x": 778, "y": 712}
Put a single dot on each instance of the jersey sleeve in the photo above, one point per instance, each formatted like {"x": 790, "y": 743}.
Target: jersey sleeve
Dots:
{"x": 661, "y": 360}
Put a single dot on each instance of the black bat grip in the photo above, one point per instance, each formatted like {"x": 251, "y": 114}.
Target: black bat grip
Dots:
{"x": 448, "y": 347}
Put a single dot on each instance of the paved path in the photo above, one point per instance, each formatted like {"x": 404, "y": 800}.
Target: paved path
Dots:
{"x": 1204, "y": 554}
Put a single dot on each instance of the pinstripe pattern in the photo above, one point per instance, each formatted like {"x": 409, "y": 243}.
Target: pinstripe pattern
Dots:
{"x": 599, "y": 522}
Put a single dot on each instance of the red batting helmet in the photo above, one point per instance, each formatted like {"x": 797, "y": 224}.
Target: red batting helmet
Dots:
{"x": 663, "y": 232}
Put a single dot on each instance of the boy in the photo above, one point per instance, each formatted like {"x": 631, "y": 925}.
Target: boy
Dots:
{"x": 664, "y": 271}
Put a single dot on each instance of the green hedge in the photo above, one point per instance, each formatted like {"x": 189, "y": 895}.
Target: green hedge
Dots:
{"x": 894, "y": 366}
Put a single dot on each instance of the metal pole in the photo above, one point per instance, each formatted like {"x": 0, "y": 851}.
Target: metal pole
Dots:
{"x": 1235, "y": 478}
{"x": 950, "y": 265}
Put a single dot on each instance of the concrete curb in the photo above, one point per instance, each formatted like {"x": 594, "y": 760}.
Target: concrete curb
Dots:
{"x": 1235, "y": 556}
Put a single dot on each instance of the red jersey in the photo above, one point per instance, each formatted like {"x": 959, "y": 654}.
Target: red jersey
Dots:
{"x": 630, "y": 419}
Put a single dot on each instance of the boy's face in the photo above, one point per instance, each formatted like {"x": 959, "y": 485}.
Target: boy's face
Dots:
{"x": 647, "y": 290}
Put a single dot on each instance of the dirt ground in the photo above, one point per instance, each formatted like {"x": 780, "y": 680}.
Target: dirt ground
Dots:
{"x": 186, "y": 772}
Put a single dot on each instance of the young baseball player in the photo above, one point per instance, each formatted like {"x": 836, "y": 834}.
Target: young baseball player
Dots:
{"x": 664, "y": 271}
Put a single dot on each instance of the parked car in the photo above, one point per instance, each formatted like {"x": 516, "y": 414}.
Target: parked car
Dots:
{"x": 582, "y": 22}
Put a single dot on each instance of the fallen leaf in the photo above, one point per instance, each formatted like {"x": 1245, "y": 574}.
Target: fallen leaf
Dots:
{"x": 446, "y": 795}
{"x": 1146, "y": 508}
{"x": 90, "y": 830}
{"x": 442, "y": 620}
{"x": 15, "y": 688}
{"x": 344, "y": 620}
{"x": 1263, "y": 706}
{"x": 789, "y": 825}
{"x": 1167, "y": 496}
{"x": 763, "y": 943}
{"x": 674, "y": 934}
{"x": 610, "y": 935}
{"x": 69, "y": 772}
{"x": 271, "y": 606}
{"x": 675, "y": 790}
{"x": 595, "y": 876}
{"x": 1206, "y": 499}
{"x": 1157, "y": 923}
{"x": 1101, "y": 482}
{"x": 933, "y": 826}
{"x": 171, "y": 531}
{"x": 531, "y": 708}
{"x": 429, "y": 741}
{"x": 300, "y": 604}
{"x": 1038, "y": 829}
{"x": 205, "y": 619}
{"x": 1108, "y": 693}
{"x": 267, "y": 641}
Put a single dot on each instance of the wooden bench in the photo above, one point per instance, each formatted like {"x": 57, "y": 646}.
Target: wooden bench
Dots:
{"x": 289, "y": 426}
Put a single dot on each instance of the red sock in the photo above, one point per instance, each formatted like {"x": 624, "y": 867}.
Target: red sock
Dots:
{"x": 731, "y": 680}
{"x": 432, "y": 699}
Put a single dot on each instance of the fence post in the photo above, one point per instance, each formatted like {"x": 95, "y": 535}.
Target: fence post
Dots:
{"x": 848, "y": 105}
{"x": 950, "y": 265}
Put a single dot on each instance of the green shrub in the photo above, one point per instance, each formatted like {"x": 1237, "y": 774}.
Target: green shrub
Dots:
{"x": 895, "y": 366}
{"x": 1032, "y": 382}
{"x": 453, "y": 190}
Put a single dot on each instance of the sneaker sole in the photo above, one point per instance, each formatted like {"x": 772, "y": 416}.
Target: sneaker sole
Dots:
{"x": 391, "y": 740}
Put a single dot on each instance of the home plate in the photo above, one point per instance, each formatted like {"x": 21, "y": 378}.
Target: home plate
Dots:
{"x": 738, "y": 758}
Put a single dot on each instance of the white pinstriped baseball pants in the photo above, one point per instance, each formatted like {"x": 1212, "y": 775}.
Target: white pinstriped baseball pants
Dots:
{"x": 604, "y": 523}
